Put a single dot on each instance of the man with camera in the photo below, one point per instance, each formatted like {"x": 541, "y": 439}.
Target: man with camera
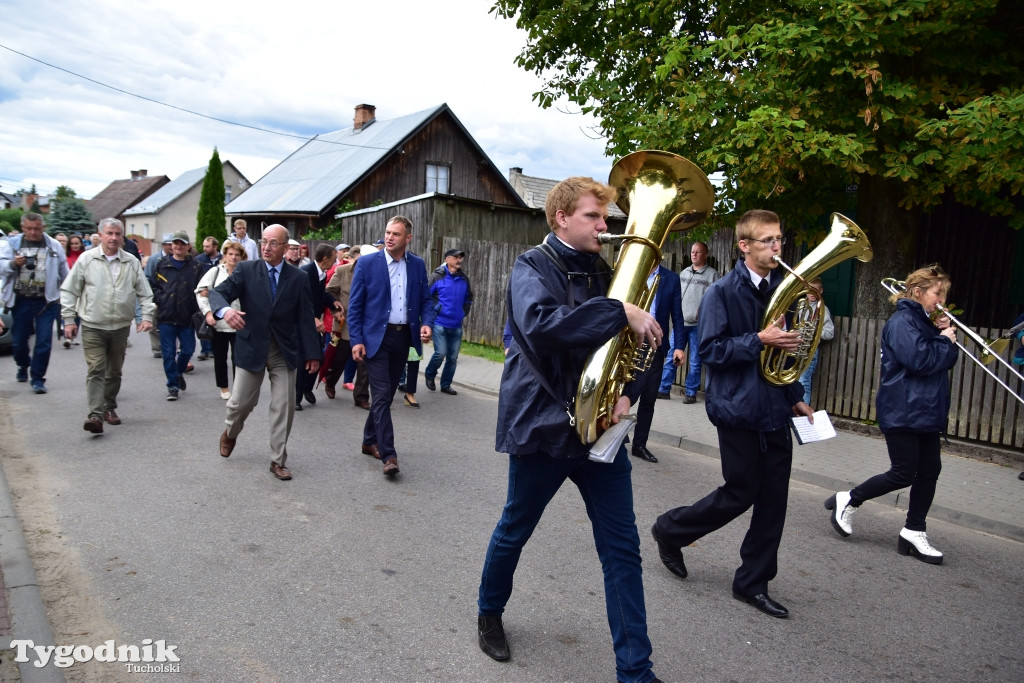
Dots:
{"x": 32, "y": 267}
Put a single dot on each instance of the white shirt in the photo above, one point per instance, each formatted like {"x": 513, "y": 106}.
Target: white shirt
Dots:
{"x": 397, "y": 276}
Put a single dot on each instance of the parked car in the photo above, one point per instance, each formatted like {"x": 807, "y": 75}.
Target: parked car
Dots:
{"x": 6, "y": 340}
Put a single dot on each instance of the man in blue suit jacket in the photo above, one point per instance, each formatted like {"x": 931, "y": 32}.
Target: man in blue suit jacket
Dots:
{"x": 667, "y": 304}
{"x": 274, "y": 335}
{"x": 389, "y": 310}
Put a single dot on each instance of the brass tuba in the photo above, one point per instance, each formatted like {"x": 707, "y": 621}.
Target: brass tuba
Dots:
{"x": 845, "y": 241}
{"x": 661, "y": 192}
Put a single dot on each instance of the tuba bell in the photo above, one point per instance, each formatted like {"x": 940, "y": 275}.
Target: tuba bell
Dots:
{"x": 845, "y": 241}
{"x": 662, "y": 192}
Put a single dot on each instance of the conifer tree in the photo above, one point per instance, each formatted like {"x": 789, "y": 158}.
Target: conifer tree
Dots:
{"x": 210, "y": 221}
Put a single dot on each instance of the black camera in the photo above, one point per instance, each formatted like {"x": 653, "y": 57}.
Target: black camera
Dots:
{"x": 30, "y": 263}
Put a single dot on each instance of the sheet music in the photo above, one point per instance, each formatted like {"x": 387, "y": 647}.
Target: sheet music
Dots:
{"x": 806, "y": 432}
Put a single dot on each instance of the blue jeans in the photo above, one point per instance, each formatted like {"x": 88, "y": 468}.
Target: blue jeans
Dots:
{"x": 447, "y": 344}
{"x": 808, "y": 376}
{"x": 691, "y": 340}
{"x": 177, "y": 344}
{"x": 33, "y": 315}
{"x": 607, "y": 492}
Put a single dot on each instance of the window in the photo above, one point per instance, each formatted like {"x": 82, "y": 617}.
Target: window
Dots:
{"x": 227, "y": 194}
{"x": 437, "y": 178}
{"x": 145, "y": 229}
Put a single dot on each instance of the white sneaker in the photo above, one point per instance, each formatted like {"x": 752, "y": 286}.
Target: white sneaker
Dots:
{"x": 842, "y": 512}
{"x": 67, "y": 343}
{"x": 225, "y": 394}
{"x": 916, "y": 543}
{"x": 76, "y": 342}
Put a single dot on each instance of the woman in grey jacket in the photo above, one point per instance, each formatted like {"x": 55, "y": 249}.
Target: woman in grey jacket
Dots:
{"x": 918, "y": 349}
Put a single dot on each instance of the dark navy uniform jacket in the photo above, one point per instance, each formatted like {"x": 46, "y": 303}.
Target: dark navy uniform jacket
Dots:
{"x": 730, "y": 318}
{"x": 558, "y": 339}
{"x": 913, "y": 395}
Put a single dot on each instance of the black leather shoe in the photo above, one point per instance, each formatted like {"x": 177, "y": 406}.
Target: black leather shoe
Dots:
{"x": 689, "y": 399}
{"x": 492, "y": 638}
{"x": 298, "y": 407}
{"x": 665, "y": 395}
{"x": 764, "y": 603}
{"x": 671, "y": 557}
{"x": 449, "y": 391}
{"x": 309, "y": 396}
{"x": 644, "y": 454}
{"x": 1021, "y": 475}
{"x": 429, "y": 381}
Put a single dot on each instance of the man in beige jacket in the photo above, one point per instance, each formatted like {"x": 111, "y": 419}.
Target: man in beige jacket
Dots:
{"x": 102, "y": 289}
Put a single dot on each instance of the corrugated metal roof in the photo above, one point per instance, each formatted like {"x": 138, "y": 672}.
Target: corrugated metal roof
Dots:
{"x": 155, "y": 202}
{"x": 324, "y": 168}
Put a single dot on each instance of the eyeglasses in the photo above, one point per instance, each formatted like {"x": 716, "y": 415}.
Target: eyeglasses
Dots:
{"x": 769, "y": 242}
{"x": 273, "y": 244}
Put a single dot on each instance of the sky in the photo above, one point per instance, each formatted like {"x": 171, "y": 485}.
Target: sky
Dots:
{"x": 299, "y": 67}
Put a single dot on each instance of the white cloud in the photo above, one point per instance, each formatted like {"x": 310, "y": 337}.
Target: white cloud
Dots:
{"x": 298, "y": 68}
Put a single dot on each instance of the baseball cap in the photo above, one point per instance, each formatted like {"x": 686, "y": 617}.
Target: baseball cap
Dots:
{"x": 180, "y": 236}
{"x": 454, "y": 252}
{"x": 294, "y": 243}
{"x": 342, "y": 246}
{"x": 168, "y": 238}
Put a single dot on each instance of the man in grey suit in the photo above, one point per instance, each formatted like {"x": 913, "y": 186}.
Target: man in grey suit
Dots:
{"x": 390, "y": 309}
{"x": 274, "y": 335}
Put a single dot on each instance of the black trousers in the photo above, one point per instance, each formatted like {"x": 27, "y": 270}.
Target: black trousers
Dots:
{"x": 915, "y": 463}
{"x": 756, "y": 467}
{"x": 337, "y": 369}
{"x": 385, "y": 371}
{"x": 650, "y": 385}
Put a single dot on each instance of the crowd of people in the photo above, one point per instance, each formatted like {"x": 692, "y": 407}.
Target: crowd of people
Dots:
{"x": 358, "y": 316}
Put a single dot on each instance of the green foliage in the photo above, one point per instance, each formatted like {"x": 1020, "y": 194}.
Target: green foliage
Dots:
{"x": 793, "y": 101}
{"x": 10, "y": 219}
{"x": 492, "y": 353}
{"x": 333, "y": 230}
{"x": 63, "y": 192}
{"x": 69, "y": 215}
{"x": 210, "y": 221}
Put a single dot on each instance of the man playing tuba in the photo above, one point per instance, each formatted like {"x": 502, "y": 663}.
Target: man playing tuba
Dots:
{"x": 558, "y": 314}
{"x": 751, "y": 414}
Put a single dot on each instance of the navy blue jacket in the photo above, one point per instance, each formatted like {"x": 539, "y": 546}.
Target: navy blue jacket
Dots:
{"x": 737, "y": 396}
{"x": 369, "y": 304}
{"x": 286, "y": 318}
{"x": 558, "y": 339}
{"x": 913, "y": 395}
{"x": 668, "y": 305}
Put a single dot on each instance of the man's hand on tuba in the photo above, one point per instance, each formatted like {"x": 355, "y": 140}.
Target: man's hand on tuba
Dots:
{"x": 643, "y": 325}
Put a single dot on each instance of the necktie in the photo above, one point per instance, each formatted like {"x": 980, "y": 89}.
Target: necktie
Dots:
{"x": 762, "y": 288}
{"x": 273, "y": 283}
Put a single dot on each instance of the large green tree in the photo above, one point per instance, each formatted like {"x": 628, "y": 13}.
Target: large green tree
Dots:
{"x": 210, "y": 221}
{"x": 69, "y": 215}
{"x": 912, "y": 101}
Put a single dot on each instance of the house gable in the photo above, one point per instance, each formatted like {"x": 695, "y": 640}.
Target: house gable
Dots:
{"x": 120, "y": 195}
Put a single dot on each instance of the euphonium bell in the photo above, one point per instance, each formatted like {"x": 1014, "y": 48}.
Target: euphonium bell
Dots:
{"x": 845, "y": 241}
{"x": 662, "y": 192}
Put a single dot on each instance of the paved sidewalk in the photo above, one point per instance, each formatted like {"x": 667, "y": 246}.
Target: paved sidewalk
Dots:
{"x": 972, "y": 493}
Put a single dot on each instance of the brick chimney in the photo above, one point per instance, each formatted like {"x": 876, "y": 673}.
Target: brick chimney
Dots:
{"x": 142, "y": 173}
{"x": 364, "y": 116}
{"x": 135, "y": 175}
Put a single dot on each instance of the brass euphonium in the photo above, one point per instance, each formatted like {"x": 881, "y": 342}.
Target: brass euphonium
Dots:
{"x": 661, "y": 192}
{"x": 845, "y": 241}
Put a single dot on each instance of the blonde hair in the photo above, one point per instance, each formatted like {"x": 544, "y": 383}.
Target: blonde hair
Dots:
{"x": 751, "y": 219}
{"x": 564, "y": 195}
{"x": 923, "y": 279}
{"x": 228, "y": 244}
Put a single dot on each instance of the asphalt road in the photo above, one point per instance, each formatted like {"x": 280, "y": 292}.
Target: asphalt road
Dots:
{"x": 342, "y": 574}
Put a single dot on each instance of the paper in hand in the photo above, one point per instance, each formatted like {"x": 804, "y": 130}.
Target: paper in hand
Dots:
{"x": 807, "y": 432}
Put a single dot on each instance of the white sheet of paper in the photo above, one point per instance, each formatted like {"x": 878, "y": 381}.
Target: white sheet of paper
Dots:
{"x": 820, "y": 430}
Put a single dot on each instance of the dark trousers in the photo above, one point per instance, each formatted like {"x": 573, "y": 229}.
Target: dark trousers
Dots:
{"x": 650, "y": 385}
{"x": 338, "y": 364}
{"x": 915, "y": 463}
{"x": 756, "y": 468}
{"x": 385, "y": 371}
{"x": 607, "y": 493}
{"x": 305, "y": 381}
{"x": 223, "y": 343}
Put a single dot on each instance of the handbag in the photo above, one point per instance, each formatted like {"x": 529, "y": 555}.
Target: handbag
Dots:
{"x": 203, "y": 331}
